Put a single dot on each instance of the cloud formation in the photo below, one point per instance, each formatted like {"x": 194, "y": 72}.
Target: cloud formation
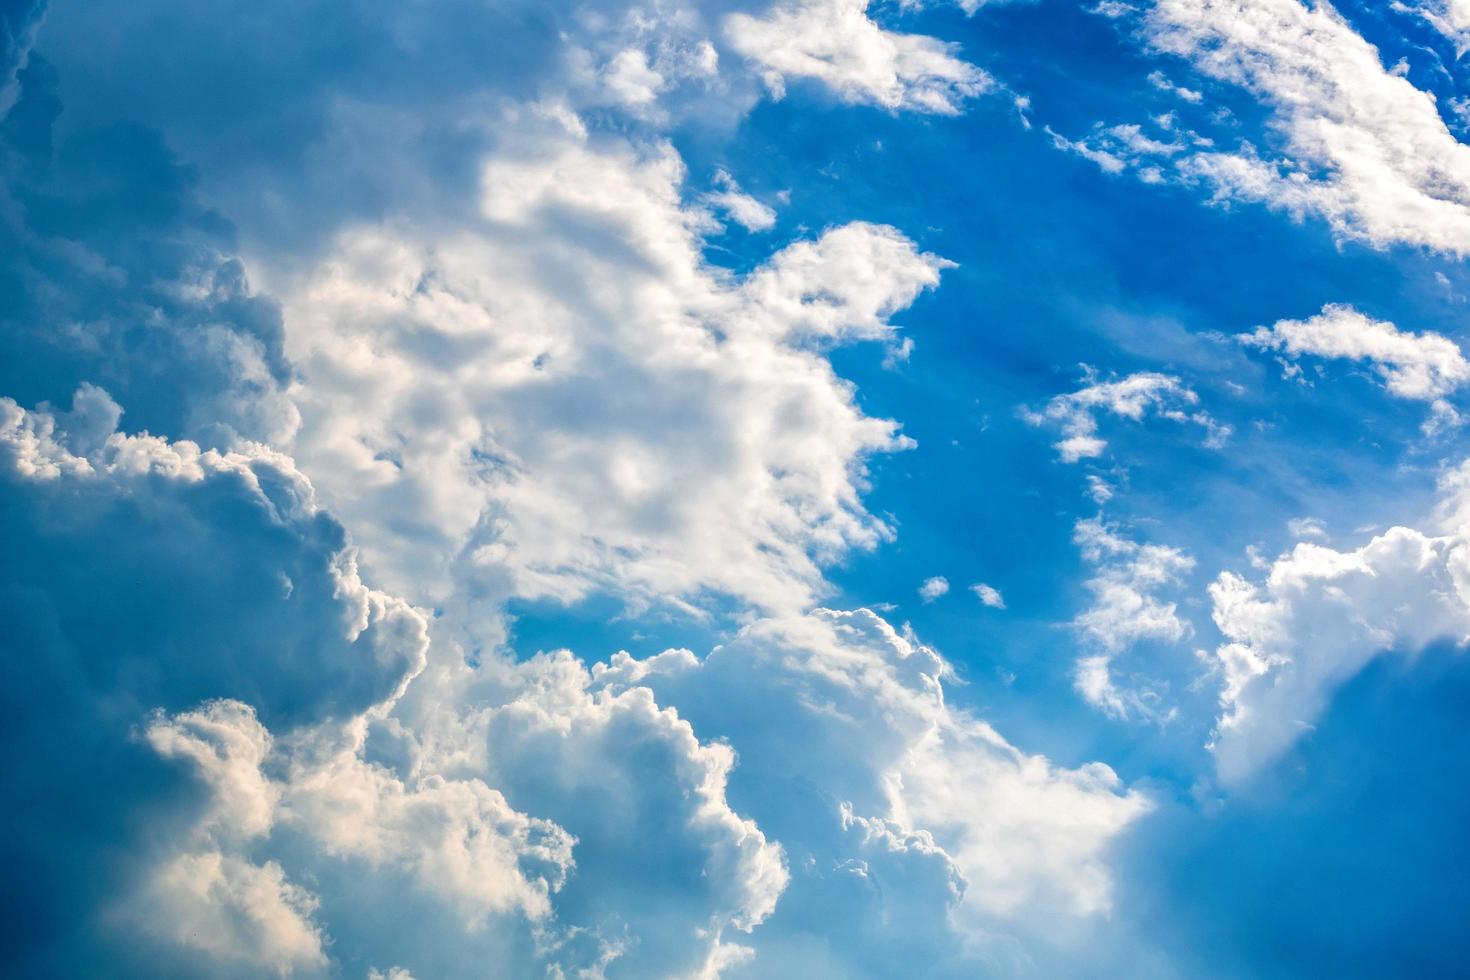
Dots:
{"x": 988, "y": 595}
{"x": 933, "y": 588}
{"x": 1418, "y": 366}
{"x": 917, "y": 814}
{"x": 835, "y": 42}
{"x": 476, "y": 413}
{"x": 1320, "y": 616}
{"x": 1131, "y": 397}
{"x": 1363, "y": 149}
{"x": 1126, "y": 610}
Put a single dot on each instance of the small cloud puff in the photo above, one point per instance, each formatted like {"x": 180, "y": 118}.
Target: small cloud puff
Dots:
{"x": 739, "y": 207}
{"x": 988, "y": 595}
{"x": 933, "y": 588}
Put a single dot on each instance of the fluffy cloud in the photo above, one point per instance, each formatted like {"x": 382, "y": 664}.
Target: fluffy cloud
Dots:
{"x": 988, "y": 595}
{"x": 237, "y": 914}
{"x": 941, "y": 819}
{"x": 1423, "y": 366}
{"x": 301, "y": 772}
{"x": 157, "y": 575}
{"x": 835, "y": 43}
{"x": 1320, "y": 615}
{"x": 1364, "y": 149}
{"x": 303, "y": 638}
{"x": 477, "y": 411}
{"x": 933, "y": 588}
{"x": 740, "y": 207}
{"x": 254, "y": 613}
{"x": 1131, "y": 397}
{"x": 506, "y": 365}
{"x": 1125, "y": 611}
{"x": 375, "y": 115}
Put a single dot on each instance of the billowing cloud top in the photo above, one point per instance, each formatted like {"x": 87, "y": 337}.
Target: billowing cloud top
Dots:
{"x": 492, "y": 487}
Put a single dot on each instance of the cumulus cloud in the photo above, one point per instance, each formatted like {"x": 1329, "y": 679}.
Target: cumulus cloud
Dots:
{"x": 1319, "y": 616}
{"x": 158, "y": 576}
{"x": 305, "y": 639}
{"x": 1362, "y": 147}
{"x": 1126, "y": 610}
{"x": 741, "y": 208}
{"x": 385, "y": 126}
{"x": 835, "y": 42}
{"x": 511, "y": 375}
{"x": 236, "y": 913}
{"x": 466, "y": 822}
{"x": 1131, "y": 397}
{"x": 477, "y": 411}
{"x": 933, "y": 588}
{"x": 944, "y": 819}
{"x": 205, "y": 899}
{"x": 1417, "y": 366}
{"x": 988, "y": 595}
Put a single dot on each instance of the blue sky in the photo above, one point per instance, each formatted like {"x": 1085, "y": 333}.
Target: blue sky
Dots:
{"x": 506, "y": 489}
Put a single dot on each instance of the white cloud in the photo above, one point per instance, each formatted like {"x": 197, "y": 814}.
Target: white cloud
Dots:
{"x": 1162, "y": 82}
{"x": 202, "y": 898}
{"x": 423, "y": 816}
{"x": 1125, "y": 610}
{"x": 933, "y": 588}
{"x": 1306, "y": 527}
{"x": 625, "y": 779}
{"x": 1419, "y": 366}
{"x": 1450, "y": 17}
{"x": 546, "y": 396}
{"x": 649, "y": 425}
{"x": 1364, "y": 149}
{"x": 740, "y": 207}
{"x": 515, "y": 795}
{"x": 240, "y": 915}
{"x": 322, "y": 645}
{"x": 835, "y": 43}
{"x": 976, "y": 824}
{"x": 1131, "y": 397}
{"x": 1320, "y": 616}
{"x": 1100, "y": 490}
{"x": 988, "y": 595}
{"x": 457, "y": 838}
